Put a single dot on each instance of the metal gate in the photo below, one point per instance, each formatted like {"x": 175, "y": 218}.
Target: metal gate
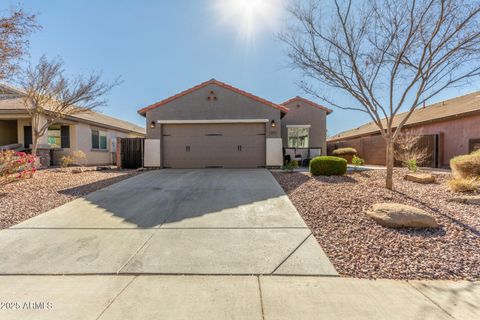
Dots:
{"x": 132, "y": 152}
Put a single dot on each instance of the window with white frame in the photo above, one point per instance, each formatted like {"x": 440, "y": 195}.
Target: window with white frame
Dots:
{"x": 99, "y": 140}
{"x": 298, "y": 136}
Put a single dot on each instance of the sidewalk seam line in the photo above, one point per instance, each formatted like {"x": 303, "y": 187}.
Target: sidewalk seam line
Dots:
{"x": 291, "y": 253}
{"x": 261, "y": 297}
{"x": 115, "y": 298}
{"x": 429, "y": 299}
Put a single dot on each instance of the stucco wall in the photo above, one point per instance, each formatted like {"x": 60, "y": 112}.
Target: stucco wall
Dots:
{"x": 301, "y": 113}
{"x": 454, "y": 140}
{"x": 229, "y": 105}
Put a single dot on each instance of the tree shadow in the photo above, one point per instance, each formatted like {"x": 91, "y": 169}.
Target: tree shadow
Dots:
{"x": 440, "y": 213}
{"x": 161, "y": 197}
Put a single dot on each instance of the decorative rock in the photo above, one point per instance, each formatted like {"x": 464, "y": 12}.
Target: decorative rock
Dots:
{"x": 395, "y": 215}
{"x": 77, "y": 170}
{"x": 420, "y": 177}
{"x": 467, "y": 200}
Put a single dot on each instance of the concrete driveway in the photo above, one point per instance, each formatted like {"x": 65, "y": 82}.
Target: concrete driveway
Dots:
{"x": 211, "y": 221}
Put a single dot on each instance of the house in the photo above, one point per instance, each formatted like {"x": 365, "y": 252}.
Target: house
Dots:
{"x": 93, "y": 133}
{"x": 449, "y": 128}
{"x": 215, "y": 124}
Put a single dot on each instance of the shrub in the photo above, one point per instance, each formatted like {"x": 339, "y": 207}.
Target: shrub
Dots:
{"x": 328, "y": 166}
{"x": 357, "y": 161}
{"x": 290, "y": 166}
{"x": 344, "y": 151}
{"x": 470, "y": 184}
{"x": 79, "y": 157}
{"x": 66, "y": 161}
{"x": 15, "y": 166}
{"x": 466, "y": 166}
{"x": 412, "y": 165}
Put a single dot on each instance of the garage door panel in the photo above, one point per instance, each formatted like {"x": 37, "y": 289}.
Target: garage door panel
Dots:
{"x": 214, "y": 145}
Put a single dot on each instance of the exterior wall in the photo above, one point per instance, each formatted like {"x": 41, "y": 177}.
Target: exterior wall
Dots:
{"x": 8, "y": 132}
{"x": 196, "y": 106}
{"x": 454, "y": 140}
{"x": 301, "y": 113}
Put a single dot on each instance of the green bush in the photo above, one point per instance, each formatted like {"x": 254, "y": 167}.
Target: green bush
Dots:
{"x": 290, "y": 166}
{"x": 344, "y": 151}
{"x": 328, "y": 166}
{"x": 357, "y": 161}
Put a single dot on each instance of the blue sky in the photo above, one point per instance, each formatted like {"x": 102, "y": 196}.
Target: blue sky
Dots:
{"x": 162, "y": 47}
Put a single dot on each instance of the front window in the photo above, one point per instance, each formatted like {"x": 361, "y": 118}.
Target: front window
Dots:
{"x": 55, "y": 137}
{"x": 298, "y": 137}
{"x": 99, "y": 140}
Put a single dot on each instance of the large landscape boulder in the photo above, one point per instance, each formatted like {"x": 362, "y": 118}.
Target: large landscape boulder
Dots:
{"x": 395, "y": 215}
{"x": 420, "y": 177}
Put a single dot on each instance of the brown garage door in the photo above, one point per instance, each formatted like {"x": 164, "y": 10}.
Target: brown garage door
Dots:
{"x": 213, "y": 145}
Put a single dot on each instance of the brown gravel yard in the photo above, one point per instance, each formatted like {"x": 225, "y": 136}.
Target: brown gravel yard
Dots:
{"x": 333, "y": 207}
{"x": 51, "y": 188}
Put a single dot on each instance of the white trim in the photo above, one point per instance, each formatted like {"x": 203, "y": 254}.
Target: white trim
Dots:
{"x": 213, "y": 121}
{"x": 298, "y": 126}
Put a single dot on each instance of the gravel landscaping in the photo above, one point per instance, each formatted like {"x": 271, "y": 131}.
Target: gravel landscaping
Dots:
{"x": 51, "y": 188}
{"x": 334, "y": 209}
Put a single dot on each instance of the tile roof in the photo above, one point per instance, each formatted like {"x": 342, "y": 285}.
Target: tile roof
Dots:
{"x": 206, "y": 83}
{"x": 309, "y": 102}
{"x": 15, "y": 104}
{"x": 448, "y": 109}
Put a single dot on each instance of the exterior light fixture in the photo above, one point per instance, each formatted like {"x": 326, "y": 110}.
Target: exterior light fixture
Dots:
{"x": 152, "y": 124}
{"x": 273, "y": 124}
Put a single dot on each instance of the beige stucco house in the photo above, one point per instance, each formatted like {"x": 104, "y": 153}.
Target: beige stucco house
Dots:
{"x": 217, "y": 125}
{"x": 93, "y": 133}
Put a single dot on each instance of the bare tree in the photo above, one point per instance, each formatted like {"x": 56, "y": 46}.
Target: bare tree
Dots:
{"x": 408, "y": 148}
{"x": 389, "y": 55}
{"x": 14, "y": 30}
{"x": 50, "y": 96}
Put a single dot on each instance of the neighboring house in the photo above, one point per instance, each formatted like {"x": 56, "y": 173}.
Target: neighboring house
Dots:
{"x": 450, "y": 128}
{"x": 93, "y": 133}
{"x": 216, "y": 125}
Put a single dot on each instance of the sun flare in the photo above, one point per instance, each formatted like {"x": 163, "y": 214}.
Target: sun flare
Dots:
{"x": 249, "y": 17}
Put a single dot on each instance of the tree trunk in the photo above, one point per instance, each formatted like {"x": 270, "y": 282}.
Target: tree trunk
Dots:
{"x": 390, "y": 162}
{"x": 34, "y": 143}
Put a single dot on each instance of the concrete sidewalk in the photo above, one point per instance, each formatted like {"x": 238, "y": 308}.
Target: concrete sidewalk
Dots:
{"x": 233, "y": 297}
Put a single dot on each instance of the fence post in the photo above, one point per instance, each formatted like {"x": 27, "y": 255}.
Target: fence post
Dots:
{"x": 118, "y": 157}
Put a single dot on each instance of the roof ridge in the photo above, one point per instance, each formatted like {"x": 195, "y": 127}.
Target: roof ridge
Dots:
{"x": 310, "y": 102}
{"x": 205, "y": 83}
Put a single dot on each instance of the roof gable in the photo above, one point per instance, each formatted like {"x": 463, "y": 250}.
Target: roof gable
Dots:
{"x": 309, "y": 102}
{"x": 206, "y": 83}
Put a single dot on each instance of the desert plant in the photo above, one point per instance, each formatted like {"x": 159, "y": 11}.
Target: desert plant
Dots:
{"x": 409, "y": 151}
{"x": 357, "y": 161}
{"x": 470, "y": 184}
{"x": 412, "y": 165}
{"x": 66, "y": 161}
{"x": 15, "y": 166}
{"x": 466, "y": 166}
{"x": 328, "y": 166}
{"x": 344, "y": 151}
{"x": 290, "y": 166}
{"x": 79, "y": 157}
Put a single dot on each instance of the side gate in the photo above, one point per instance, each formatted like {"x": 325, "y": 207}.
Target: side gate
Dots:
{"x": 131, "y": 152}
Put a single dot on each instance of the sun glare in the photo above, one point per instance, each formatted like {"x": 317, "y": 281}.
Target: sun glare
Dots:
{"x": 249, "y": 17}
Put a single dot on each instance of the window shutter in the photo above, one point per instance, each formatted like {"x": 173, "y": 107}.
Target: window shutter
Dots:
{"x": 65, "y": 137}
